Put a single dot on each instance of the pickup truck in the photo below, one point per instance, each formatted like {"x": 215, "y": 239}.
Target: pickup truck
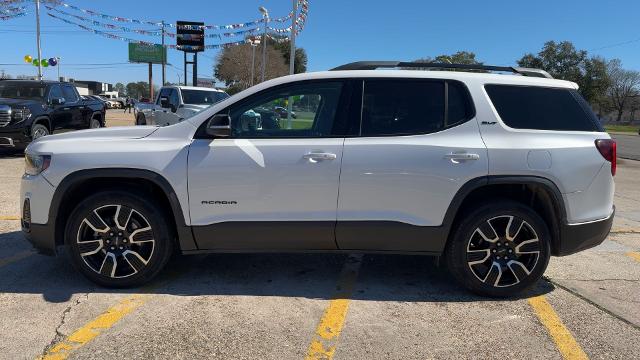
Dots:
{"x": 30, "y": 109}
{"x": 176, "y": 103}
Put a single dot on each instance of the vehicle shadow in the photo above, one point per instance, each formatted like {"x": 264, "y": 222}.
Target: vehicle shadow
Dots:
{"x": 11, "y": 153}
{"x": 313, "y": 276}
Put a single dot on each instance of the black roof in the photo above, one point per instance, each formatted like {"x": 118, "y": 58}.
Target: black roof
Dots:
{"x": 372, "y": 65}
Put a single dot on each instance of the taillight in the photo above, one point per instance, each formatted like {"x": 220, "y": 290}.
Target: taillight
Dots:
{"x": 607, "y": 148}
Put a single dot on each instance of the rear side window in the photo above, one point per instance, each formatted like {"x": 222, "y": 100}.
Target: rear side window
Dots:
{"x": 540, "y": 108}
{"x": 408, "y": 107}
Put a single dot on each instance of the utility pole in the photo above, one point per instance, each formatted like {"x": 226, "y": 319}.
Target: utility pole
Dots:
{"x": 164, "y": 54}
{"x": 254, "y": 44}
{"x": 265, "y": 16}
{"x": 292, "y": 58}
{"x": 58, "y": 66}
{"x": 38, "y": 39}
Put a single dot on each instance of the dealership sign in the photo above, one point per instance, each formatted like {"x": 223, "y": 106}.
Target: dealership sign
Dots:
{"x": 144, "y": 53}
{"x": 190, "y": 36}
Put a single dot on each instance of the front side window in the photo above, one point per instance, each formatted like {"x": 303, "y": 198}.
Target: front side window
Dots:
{"x": 55, "y": 92}
{"x": 314, "y": 107}
{"x": 166, "y": 92}
{"x": 541, "y": 108}
{"x": 68, "y": 94}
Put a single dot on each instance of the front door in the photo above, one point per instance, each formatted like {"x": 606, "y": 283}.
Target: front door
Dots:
{"x": 62, "y": 114}
{"x": 74, "y": 104}
{"x": 271, "y": 184}
{"x": 418, "y": 144}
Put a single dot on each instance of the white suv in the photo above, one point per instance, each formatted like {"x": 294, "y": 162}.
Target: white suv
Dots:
{"x": 494, "y": 172}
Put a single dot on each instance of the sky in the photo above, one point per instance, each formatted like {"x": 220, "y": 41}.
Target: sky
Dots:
{"x": 336, "y": 32}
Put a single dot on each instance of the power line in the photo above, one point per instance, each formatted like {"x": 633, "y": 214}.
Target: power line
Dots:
{"x": 615, "y": 45}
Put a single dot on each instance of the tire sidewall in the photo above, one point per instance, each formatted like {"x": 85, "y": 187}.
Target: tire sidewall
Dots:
{"x": 456, "y": 252}
{"x": 156, "y": 218}
{"x": 37, "y": 126}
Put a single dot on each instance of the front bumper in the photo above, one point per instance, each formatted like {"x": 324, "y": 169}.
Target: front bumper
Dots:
{"x": 14, "y": 137}
{"x": 578, "y": 237}
{"x": 36, "y": 194}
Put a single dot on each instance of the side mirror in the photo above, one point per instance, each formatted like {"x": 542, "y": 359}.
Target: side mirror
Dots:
{"x": 57, "y": 101}
{"x": 164, "y": 102}
{"x": 173, "y": 108}
{"x": 219, "y": 125}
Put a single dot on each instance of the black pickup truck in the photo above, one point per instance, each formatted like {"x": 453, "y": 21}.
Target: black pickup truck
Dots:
{"x": 30, "y": 109}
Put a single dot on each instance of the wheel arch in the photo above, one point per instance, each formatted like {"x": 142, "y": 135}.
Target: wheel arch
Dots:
{"x": 537, "y": 192}
{"x": 75, "y": 186}
{"x": 45, "y": 120}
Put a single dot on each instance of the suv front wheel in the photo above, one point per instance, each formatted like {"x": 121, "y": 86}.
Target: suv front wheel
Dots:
{"x": 499, "y": 249}
{"x": 117, "y": 239}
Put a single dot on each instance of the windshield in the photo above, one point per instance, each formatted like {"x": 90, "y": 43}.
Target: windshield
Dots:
{"x": 202, "y": 97}
{"x": 21, "y": 91}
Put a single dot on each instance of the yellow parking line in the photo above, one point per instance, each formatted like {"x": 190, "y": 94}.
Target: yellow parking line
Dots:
{"x": 566, "y": 343}
{"x": 323, "y": 345}
{"x": 9, "y": 217}
{"x": 95, "y": 327}
{"x": 634, "y": 255}
{"x": 17, "y": 257}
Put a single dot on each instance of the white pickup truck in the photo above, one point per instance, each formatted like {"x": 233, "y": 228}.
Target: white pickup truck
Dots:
{"x": 176, "y": 103}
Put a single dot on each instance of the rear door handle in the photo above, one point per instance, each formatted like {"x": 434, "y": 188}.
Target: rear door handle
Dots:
{"x": 314, "y": 156}
{"x": 461, "y": 156}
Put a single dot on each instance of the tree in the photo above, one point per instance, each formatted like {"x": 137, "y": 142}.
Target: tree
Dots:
{"x": 233, "y": 66}
{"x": 139, "y": 89}
{"x": 119, "y": 87}
{"x": 563, "y": 61}
{"x": 460, "y": 57}
{"x": 624, "y": 86}
{"x": 300, "y": 61}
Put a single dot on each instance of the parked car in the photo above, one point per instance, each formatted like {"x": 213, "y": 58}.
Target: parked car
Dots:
{"x": 284, "y": 113}
{"x": 30, "y": 109}
{"x": 495, "y": 173}
{"x": 176, "y": 103}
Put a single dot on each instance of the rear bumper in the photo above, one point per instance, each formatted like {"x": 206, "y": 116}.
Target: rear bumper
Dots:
{"x": 578, "y": 237}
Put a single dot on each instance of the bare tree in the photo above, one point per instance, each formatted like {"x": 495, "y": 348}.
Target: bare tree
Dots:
{"x": 624, "y": 86}
{"x": 234, "y": 66}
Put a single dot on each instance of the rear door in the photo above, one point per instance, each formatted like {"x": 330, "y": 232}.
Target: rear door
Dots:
{"x": 418, "y": 144}
{"x": 270, "y": 188}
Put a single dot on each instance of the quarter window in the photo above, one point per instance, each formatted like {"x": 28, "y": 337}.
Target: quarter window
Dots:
{"x": 540, "y": 108}
{"x": 314, "y": 107}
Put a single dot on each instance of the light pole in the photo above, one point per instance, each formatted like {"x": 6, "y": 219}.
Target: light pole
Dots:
{"x": 292, "y": 57}
{"x": 254, "y": 44}
{"x": 265, "y": 16}
{"x": 58, "y": 65}
{"x": 38, "y": 39}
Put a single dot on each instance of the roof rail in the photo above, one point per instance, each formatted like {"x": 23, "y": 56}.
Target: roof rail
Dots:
{"x": 372, "y": 65}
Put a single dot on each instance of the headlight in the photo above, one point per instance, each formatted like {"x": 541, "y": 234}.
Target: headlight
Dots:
{"x": 20, "y": 114}
{"x": 35, "y": 164}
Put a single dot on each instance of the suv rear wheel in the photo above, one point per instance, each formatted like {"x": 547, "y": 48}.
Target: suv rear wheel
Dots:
{"x": 117, "y": 239}
{"x": 499, "y": 249}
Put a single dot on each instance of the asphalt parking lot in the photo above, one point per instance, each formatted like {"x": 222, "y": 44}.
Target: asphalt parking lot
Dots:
{"x": 283, "y": 306}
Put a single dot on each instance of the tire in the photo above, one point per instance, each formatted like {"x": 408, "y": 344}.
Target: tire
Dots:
{"x": 95, "y": 123}
{"x": 39, "y": 130}
{"x": 122, "y": 253}
{"x": 140, "y": 120}
{"x": 486, "y": 260}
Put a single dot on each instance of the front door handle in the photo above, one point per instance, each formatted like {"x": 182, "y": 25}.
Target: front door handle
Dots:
{"x": 314, "y": 156}
{"x": 461, "y": 156}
